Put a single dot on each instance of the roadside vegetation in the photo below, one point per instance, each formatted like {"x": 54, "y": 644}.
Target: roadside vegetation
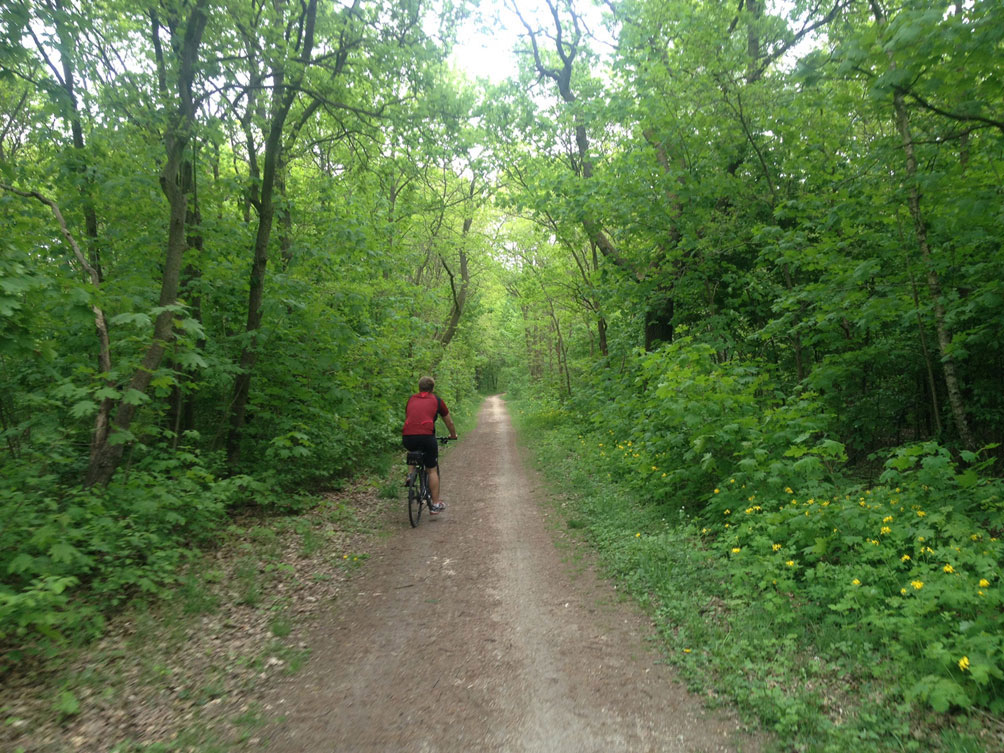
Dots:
{"x": 184, "y": 668}
{"x": 840, "y": 612}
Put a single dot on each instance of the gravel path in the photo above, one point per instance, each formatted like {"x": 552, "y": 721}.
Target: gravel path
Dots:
{"x": 473, "y": 634}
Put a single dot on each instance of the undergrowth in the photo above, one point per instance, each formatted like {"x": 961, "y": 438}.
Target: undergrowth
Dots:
{"x": 840, "y": 615}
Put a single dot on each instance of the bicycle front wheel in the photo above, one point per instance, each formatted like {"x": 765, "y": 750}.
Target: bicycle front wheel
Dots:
{"x": 415, "y": 502}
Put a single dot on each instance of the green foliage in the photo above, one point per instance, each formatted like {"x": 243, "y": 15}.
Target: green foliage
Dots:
{"x": 905, "y": 569}
{"x": 70, "y": 549}
{"x": 687, "y": 420}
{"x": 904, "y": 573}
{"x": 793, "y": 596}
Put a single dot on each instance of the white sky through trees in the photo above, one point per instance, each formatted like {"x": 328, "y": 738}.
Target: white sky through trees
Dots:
{"x": 487, "y": 40}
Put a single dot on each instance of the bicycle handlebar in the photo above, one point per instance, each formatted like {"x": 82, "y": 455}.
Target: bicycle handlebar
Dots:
{"x": 444, "y": 440}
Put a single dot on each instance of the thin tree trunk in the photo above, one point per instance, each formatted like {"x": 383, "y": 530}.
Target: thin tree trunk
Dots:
{"x": 101, "y": 421}
{"x": 66, "y": 53}
{"x": 944, "y": 334}
{"x": 283, "y": 96}
{"x": 459, "y": 296}
{"x": 106, "y": 456}
{"x": 955, "y": 400}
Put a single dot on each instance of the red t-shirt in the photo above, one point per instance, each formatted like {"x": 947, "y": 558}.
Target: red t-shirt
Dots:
{"x": 420, "y": 415}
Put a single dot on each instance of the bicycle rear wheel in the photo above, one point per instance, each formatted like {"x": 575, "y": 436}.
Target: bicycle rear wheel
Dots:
{"x": 415, "y": 502}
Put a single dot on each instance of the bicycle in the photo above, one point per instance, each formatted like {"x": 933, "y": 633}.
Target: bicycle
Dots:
{"x": 419, "y": 494}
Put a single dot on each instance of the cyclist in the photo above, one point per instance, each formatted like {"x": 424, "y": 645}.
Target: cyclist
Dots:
{"x": 419, "y": 432}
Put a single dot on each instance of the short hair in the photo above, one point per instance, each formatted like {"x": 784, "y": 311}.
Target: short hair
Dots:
{"x": 426, "y": 384}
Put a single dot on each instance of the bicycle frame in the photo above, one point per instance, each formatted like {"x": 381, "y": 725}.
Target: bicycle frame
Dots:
{"x": 419, "y": 493}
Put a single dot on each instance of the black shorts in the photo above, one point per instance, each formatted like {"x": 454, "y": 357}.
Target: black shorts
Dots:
{"x": 426, "y": 443}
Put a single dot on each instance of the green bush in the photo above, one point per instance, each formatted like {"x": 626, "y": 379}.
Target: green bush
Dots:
{"x": 906, "y": 573}
{"x": 899, "y": 577}
{"x": 72, "y": 553}
{"x": 687, "y": 420}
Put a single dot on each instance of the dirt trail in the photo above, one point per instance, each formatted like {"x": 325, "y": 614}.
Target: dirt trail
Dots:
{"x": 472, "y": 634}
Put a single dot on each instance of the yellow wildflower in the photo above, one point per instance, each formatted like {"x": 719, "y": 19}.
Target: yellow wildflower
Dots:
{"x": 736, "y": 550}
{"x": 885, "y": 530}
{"x": 787, "y": 490}
{"x": 887, "y": 519}
{"x": 964, "y": 663}
{"x": 917, "y": 584}
{"x": 921, "y": 513}
{"x": 856, "y": 582}
{"x": 903, "y": 591}
{"x": 776, "y": 547}
{"x": 727, "y": 512}
{"x": 638, "y": 535}
{"x": 716, "y": 491}
{"x": 984, "y": 583}
{"x": 948, "y": 569}
{"x": 905, "y": 558}
{"x": 790, "y": 563}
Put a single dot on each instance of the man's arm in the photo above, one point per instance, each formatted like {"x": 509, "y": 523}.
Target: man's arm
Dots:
{"x": 448, "y": 420}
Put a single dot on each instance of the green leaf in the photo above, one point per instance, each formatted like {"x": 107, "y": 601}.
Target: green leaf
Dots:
{"x": 141, "y": 320}
{"x": 191, "y": 360}
{"x": 21, "y": 563}
{"x": 135, "y": 397}
{"x": 63, "y": 552}
{"x": 84, "y": 408}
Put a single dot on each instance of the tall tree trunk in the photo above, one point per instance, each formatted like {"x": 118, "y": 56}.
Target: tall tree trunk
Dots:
{"x": 944, "y": 333}
{"x": 68, "y": 56}
{"x": 283, "y": 95}
{"x": 285, "y": 216}
{"x": 106, "y": 455}
{"x": 182, "y": 405}
{"x": 942, "y": 329}
{"x": 459, "y": 296}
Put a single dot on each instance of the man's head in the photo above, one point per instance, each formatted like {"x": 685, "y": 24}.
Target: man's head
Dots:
{"x": 426, "y": 384}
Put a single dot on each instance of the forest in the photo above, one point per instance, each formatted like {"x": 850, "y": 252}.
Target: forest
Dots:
{"x": 737, "y": 264}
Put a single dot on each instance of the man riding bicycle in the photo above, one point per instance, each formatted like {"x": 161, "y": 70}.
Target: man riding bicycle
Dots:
{"x": 419, "y": 432}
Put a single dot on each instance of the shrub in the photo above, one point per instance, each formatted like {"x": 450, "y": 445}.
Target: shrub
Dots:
{"x": 67, "y": 550}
